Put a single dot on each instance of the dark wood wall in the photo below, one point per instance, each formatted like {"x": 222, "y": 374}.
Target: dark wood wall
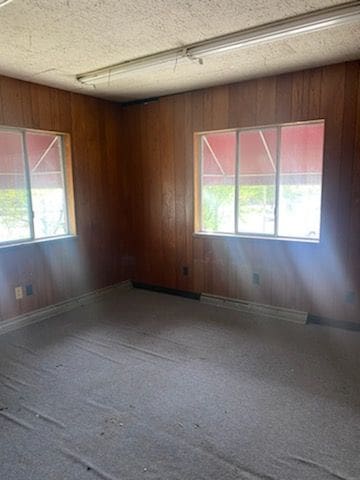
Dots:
{"x": 99, "y": 256}
{"x": 133, "y": 181}
{"x": 312, "y": 277}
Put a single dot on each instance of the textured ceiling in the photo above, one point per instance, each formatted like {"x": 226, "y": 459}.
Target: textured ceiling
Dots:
{"x": 50, "y": 41}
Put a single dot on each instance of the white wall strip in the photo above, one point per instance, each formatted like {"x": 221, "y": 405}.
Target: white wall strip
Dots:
{"x": 257, "y": 309}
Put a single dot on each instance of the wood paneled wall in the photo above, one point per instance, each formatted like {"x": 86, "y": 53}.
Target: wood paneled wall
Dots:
{"x": 159, "y": 144}
{"x": 99, "y": 256}
{"x": 133, "y": 181}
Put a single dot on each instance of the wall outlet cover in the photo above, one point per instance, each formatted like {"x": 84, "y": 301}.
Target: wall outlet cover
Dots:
{"x": 185, "y": 271}
{"x": 18, "y": 293}
{"x": 350, "y": 297}
{"x": 29, "y": 290}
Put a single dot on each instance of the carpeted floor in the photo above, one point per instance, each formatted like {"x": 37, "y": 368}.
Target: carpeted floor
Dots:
{"x": 148, "y": 386}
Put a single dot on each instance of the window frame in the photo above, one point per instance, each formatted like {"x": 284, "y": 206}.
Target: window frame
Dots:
{"x": 198, "y": 168}
{"x": 68, "y": 186}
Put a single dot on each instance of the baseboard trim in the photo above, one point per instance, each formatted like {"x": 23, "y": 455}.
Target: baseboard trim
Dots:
{"x": 258, "y": 309}
{"x": 169, "y": 291}
{"x": 41, "y": 314}
{"x": 329, "y": 322}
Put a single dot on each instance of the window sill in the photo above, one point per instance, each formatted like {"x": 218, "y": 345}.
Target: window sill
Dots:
{"x": 255, "y": 237}
{"x": 39, "y": 241}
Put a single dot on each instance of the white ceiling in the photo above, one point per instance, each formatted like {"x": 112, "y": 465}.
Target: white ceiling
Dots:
{"x": 50, "y": 41}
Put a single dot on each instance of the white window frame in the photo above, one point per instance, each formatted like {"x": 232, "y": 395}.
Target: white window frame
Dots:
{"x": 66, "y": 181}
{"x": 198, "y": 169}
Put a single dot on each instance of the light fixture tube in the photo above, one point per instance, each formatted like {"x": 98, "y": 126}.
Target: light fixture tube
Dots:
{"x": 107, "y": 74}
{"x": 315, "y": 21}
{"x": 4, "y": 2}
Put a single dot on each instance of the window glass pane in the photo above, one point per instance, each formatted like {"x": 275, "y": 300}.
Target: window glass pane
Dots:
{"x": 47, "y": 184}
{"x": 257, "y": 178}
{"x": 301, "y": 159}
{"x": 14, "y": 211}
{"x": 218, "y": 152}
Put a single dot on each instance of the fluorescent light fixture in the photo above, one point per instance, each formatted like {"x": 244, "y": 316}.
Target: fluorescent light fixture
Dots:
{"x": 315, "y": 21}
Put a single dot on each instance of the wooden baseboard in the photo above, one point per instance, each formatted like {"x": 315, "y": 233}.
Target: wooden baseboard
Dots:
{"x": 41, "y": 314}
{"x": 258, "y": 309}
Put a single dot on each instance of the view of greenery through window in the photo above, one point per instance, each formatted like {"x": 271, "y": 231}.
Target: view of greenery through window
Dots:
{"x": 256, "y": 209}
{"x": 14, "y": 222}
{"x": 45, "y": 191}
{"x": 218, "y": 205}
{"x": 297, "y": 172}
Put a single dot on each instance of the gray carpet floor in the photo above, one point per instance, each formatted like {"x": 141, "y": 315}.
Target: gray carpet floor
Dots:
{"x": 148, "y": 386}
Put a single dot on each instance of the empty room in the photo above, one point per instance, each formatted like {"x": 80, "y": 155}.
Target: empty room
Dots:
{"x": 179, "y": 240}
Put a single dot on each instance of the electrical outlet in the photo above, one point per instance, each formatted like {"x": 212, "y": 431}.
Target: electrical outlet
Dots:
{"x": 29, "y": 290}
{"x": 18, "y": 293}
{"x": 256, "y": 278}
{"x": 350, "y": 297}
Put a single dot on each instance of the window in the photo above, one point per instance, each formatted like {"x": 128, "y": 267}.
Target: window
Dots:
{"x": 261, "y": 181}
{"x": 35, "y": 186}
